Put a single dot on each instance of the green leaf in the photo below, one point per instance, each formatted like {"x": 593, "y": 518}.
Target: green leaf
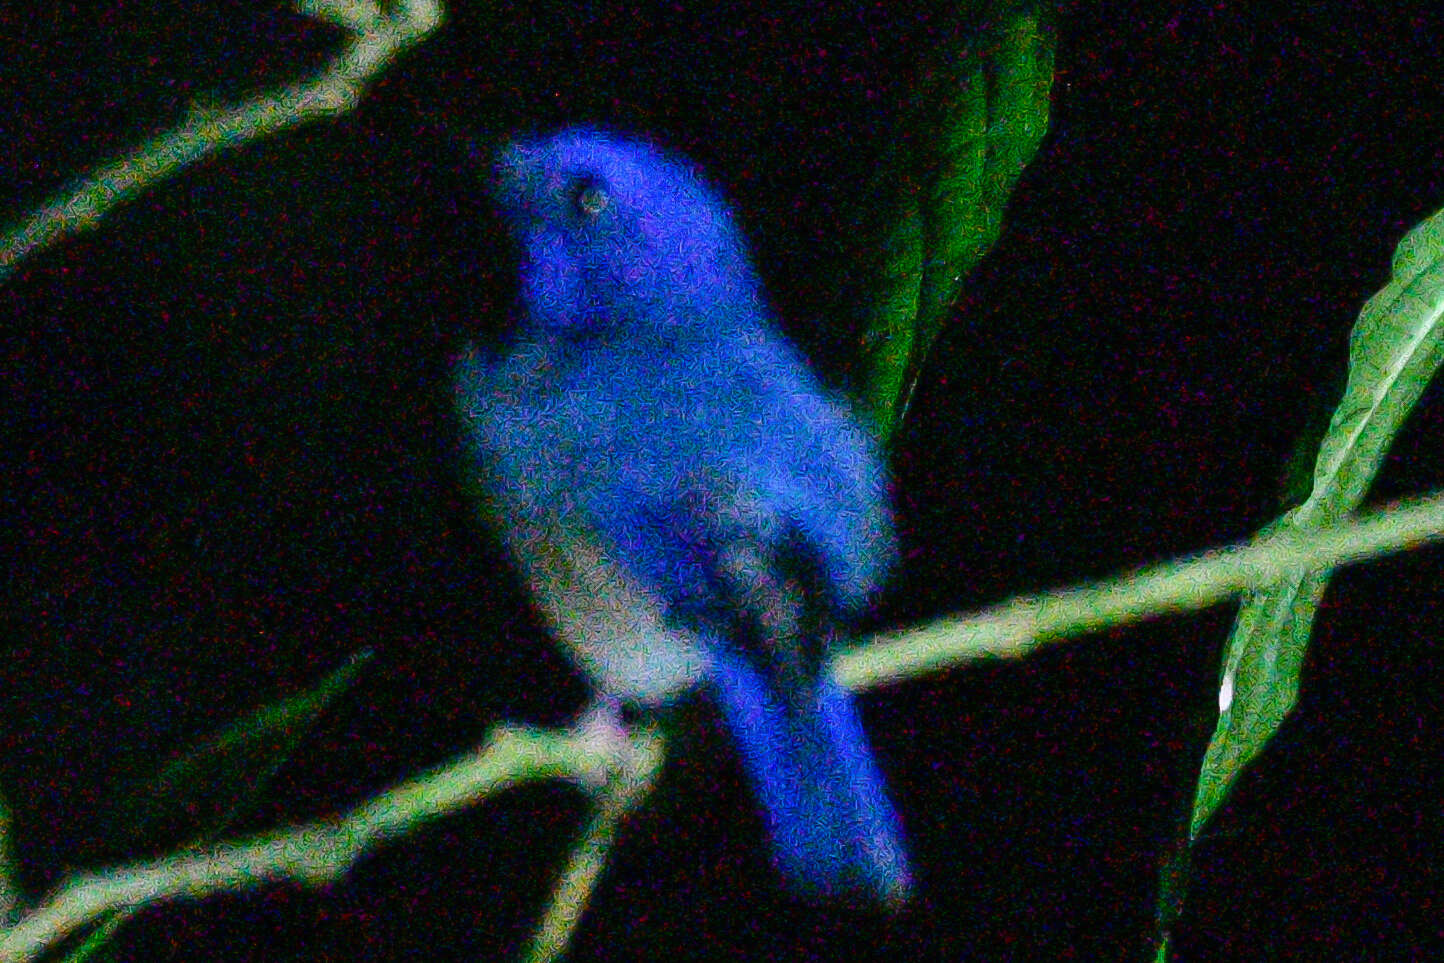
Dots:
{"x": 208, "y": 788}
{"x": 979, "y": 125}
{"x": 1396, "y": 346}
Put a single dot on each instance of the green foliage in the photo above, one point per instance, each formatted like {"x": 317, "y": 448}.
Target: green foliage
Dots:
{"x": 208, "y": 788}
{"x": 1395, "y": 349}
{"x": 1397, "y": 345}
{"x": 983, "y": 118}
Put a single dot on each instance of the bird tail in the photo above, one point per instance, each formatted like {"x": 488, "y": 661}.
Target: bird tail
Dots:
{"x": 833, "y": 828}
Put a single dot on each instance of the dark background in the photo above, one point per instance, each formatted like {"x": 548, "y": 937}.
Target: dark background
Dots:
{"x": 228, "y": 463}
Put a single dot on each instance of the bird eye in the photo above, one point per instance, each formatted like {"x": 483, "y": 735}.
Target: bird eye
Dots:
{"x": 589, "y": 199}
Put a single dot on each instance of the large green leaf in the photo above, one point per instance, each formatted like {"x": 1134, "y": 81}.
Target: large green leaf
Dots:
{"x": 978, "y": 124}
{"x": 1396, "y": 346}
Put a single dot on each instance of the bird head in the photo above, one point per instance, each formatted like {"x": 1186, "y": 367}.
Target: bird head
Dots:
{"x": 617, "y": 234}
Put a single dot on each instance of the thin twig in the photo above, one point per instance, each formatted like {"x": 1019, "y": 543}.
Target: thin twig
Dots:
{"x": 320, "y": 853}
{"x": 1187, "y": 585}
{"x": 376, "y": 39}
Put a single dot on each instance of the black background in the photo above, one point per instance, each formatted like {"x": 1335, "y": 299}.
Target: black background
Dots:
{"x": 228, "y": 464}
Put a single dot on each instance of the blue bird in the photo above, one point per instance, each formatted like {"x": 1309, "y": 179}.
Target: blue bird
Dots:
{"x": 689, "y": 506}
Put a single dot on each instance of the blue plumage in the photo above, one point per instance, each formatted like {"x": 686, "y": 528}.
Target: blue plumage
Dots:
{"x": 690, "y": 507}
